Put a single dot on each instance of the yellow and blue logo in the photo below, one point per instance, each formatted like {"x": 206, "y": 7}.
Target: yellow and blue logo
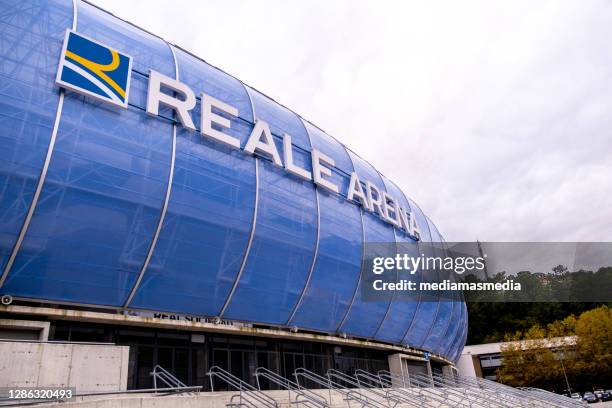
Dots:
{"x": 93, "y": 69}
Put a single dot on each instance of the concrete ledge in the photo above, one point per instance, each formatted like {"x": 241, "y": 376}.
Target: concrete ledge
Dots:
{"x": 42, "y": 328}
{"x": 200, "y": 400}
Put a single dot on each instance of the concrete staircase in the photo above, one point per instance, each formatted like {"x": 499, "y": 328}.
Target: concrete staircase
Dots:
{"x": 432, "y": 397}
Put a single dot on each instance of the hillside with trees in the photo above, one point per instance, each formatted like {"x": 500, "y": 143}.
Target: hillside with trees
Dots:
{"x": 543, "y": 299}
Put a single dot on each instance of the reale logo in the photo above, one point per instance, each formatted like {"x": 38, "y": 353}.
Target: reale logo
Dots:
{"x": 93, "y": 69}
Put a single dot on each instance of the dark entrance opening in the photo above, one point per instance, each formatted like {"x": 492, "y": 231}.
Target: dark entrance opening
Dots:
{"x": 190, "y": 355}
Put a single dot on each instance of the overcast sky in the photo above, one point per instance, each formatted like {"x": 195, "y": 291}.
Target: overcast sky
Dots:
{"x": 496, "y": 117}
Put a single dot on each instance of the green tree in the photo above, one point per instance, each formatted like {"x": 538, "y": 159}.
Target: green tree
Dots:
{"x": 579, "y": 348}
{"x": 560, "y": 270}
{"x": 594, "y": 346}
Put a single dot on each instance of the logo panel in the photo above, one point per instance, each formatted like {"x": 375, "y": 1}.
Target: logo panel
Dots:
{"x": 93, "y": 69}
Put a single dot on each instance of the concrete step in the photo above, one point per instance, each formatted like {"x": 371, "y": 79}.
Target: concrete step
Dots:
{"x": 430, "y": 397}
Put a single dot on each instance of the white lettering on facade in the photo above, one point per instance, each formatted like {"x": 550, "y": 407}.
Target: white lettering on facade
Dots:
{"x": 261, "y": 141}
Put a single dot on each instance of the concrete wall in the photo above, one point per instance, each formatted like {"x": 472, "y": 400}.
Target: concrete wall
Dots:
{"x": 466, "y": 366}
{"x": 469, "y": 363}
{"x": 403, "y": 365}
{"x": 87, "y": 367}
{"x": 11, "y": 329}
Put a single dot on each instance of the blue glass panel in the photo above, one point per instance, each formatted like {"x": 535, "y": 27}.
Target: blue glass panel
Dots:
{"x": 465, "y": 333}
{"x": 282, "y": 250}
{"x": 453, "y": 330}
{"x": 280, "y": 119}
{"x": 445, "y": 304}
{"x": 271, "y": 283}
{"x": 459, "y": 335}
{"x": 446, "y": 338}
{"x": 147, "y": 51}
{"x": 403, "y": 306}
{"x": 426, "y": 310}
{"x": 456, "y": 299}
{"x": 31, "y": 36}
{"x": 101, "y": 201}
{"x": 331, "y": 147}
{"x": 337, "y": 266}
{"x": 398, "y": 195}
{"x": 338, "y": 263}
{"x": 364, "y": 317}
{"x": 210, "y": 213}
{"x": 421, "y": 220}
{"x": 462, "y": 336}
{"x": 440, "y": 325}
{"x": 202, "y": 77}
{"x": 341, "y": 173}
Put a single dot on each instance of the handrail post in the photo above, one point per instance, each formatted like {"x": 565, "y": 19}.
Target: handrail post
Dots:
{"x": 257, "y": 380}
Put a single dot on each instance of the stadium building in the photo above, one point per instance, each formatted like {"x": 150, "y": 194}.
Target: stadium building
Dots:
{"x": 148, "y": 199}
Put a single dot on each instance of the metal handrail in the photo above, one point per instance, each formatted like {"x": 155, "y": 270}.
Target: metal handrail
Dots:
{"x": 406, "y": 397}
{"x": 244, "y": 401}
{"x": 466, "y": 398}
{"x": 165, "y": 376}
{"x": 552, "y": 397}
{"x": 246, "y": 390}
{"x": 474, "y": 397}
{"x": 423, "y": 388}
{"x": 333, "y": 386}
{"x": 311, "y": 397}
{"x": 352, "y": 381}
{"x": 385, "y": 375}
{"x": 314, "y": 377}
{"x": 505, "y": 392}
{"x": 343, "y": 377}
{"x": 528, "y": 399}
{"x": 352, "y": 395}
{"x": 506, "y": 396}
{"x": 169, "y": 391}
{"x": 469, "y": 390}
{"x": 373, "y": 379}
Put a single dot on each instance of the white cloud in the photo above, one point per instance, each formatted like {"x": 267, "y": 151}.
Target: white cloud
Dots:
{"x": 494, "y": 116}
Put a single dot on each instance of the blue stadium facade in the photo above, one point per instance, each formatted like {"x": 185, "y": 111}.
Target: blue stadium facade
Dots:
{"x": 111, "y": 207}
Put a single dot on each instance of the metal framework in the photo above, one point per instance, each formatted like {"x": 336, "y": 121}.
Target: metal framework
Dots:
{"x": 43, "y": 172}
{"x": 248, "y": 396}
{"x": 358, "y": 285}
{"x": 302, "y": 395}
{"x": 316, "y": 247}
{"x": 247, "y": 250}
{"x": 164, "y": 209}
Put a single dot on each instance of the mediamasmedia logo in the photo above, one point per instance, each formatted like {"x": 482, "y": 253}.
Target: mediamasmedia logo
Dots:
{"x": 93, "y": 69}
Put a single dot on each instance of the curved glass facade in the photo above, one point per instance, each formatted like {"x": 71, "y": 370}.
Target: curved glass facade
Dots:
{"x": 338, "y": 259}
{"x": 137, "y": 211}
{"x": 402, "y": 310}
